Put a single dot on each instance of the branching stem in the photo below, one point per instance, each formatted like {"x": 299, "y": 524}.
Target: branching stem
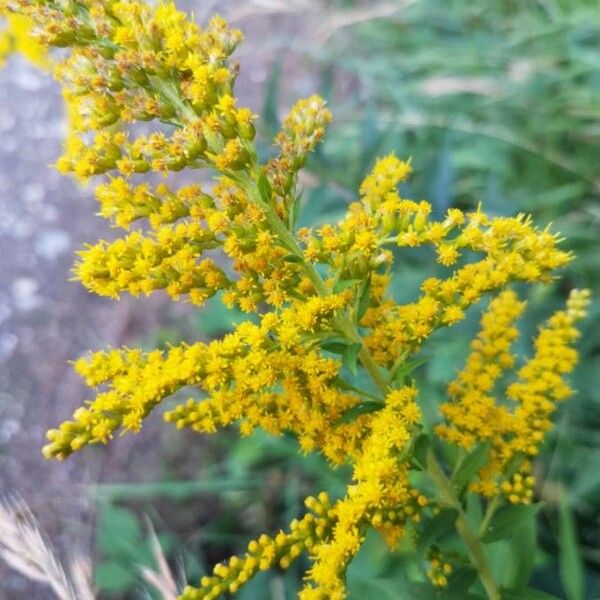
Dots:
{"x": 469, "y": 537}
{"x": 345, "y": 325}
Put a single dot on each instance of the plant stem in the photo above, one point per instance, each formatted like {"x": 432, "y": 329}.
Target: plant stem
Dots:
{"x": 250, "y": 185}
{"x": 470, "y": 539}
{"x": 345, "y": 325}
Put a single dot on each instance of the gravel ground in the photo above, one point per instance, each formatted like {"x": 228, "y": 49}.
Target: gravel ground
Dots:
{"x": 45, "y": 320}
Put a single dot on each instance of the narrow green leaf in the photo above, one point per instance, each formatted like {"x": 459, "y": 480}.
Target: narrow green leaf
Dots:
{"x": 363, "y": 408}
{"x": 513, "y": 465}
{"x": 420, "y": 447}
{"x": 264, "y": 187}
{"x": 292, "y": 258}
{"x": 425, "y": 591}
{"x": 350, "y": 357}
{"x": 470, "y": 464}
{"x": 422, "y": 481}
{"x": 406, "y": 368}
{"x": 435, "y": 528}
{"x": 172, "y": 123}
{"x": 363, "y": 300}
{"x": 294, "y": 212}
{"x": 337, "y": 346}
{"x": 507, "y": 520}
{"x": 569, "y": 557}
{"x": 528, "y": 594}
{"x": 344, "y": 284}
{"x": 522, "y": 549}
{"x": 460, "y": 582}
{"x": 344, "y": 385}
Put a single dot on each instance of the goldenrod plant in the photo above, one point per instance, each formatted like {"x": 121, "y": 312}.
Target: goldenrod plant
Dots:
{"x": 329, "y": 354}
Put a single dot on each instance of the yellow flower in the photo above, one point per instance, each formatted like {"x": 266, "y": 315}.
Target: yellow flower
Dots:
{"x": 473, "y": 414}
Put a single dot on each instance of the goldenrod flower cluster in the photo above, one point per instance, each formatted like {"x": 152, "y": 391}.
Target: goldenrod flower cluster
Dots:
{"x": 440, "y": 568}
{"x": 518, "y": 426}
{"x": 321, "y": 359}
{"x": 266, "y": 552}
{"x": 380, "y": 496}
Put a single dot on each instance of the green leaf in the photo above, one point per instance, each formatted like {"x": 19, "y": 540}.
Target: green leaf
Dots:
{"x": 507, "y": 520}
{"x": 419, "y": 449}
{"x": 337, "y": 345}
{"x": 522, "y": 548}
{"x": 528, "y": 594}
{"x": 172, "y": 123}
{"x": 118, "y": 531}
{"x": 344, "y": 385}
{"x": 293, "y": 258}
{"x": 470, "y": 465}
{"x": 350, "y": 357}
{"x": 513, "y": 465}
{"x": 436, "y": 527}
{"x": 406, "y": 368}
{"x": 460, "y": 582}
{"x": 422, "y": 481}
{"x": 371, "y": 587}
{"x": 112, "y": 576}
{"x": 264, "y": 187}
{"x": 363, "y": 408}
{"x": 422, "y": 591}
{"x": 425, "y": 591}
{"x": 344, "y": 284}
{"x": 363, "y": 300}
{"x": 569, "y": 557}
{"x": 294, "y": 212}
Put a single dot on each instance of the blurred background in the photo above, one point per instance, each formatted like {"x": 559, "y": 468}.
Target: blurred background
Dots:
{"x": 495, "y": 101}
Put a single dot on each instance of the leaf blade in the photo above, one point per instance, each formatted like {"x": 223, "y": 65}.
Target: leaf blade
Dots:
{"x": 363, "y": 408}
{"x": 569, "y": 556}
{"x": 470, "y": 464}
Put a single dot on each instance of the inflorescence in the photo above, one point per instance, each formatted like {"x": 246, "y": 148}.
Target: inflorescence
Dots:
{"x": 322, "y": 294}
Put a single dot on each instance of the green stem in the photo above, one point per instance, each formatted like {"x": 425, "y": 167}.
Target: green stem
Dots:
{"x": 367, "y": 361}
{"x": 345, "y": 325}
{"x": 470, "y": 539}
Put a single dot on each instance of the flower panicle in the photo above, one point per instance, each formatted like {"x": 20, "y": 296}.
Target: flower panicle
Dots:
{"x": 326, "y": 318}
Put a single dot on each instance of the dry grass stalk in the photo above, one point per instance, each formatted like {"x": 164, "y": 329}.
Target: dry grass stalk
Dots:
{"x": 24, "y": 548}
{"x": 161, "y": 578}
{"x": 81, "y": 575}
